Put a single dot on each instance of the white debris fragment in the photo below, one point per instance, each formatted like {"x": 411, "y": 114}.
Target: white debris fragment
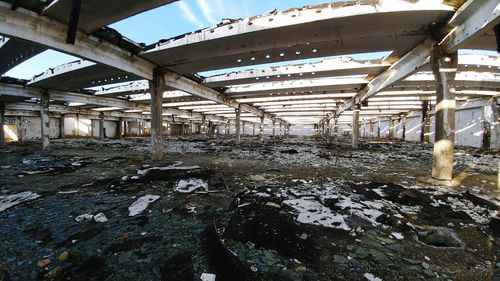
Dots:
{"x": 191, "y": 185}
{"x": 272, "y": 204}
{"x": 5, "y": 167}
{"x": 371, "y": 277}
{"x": 8, "y": 201}
{"x": 397, "y": 236}
{"x": 124, "y": 178}
{"x": 100, "y": 217}
{"x": 262, "y": 194}
{"x": 175, "y": 166}
{"x": 379, "y": 192}
{"x": 68, "y": 191}
{"x": 257, "y": 178}
{"x": 207, "y": 277}
{"x": 313, "y": 212}
{"x": 141, "y": 204}
{"x": 84, "y": 217}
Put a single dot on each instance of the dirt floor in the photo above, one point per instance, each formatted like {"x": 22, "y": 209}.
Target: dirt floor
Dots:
{"x": 280, "y": 210}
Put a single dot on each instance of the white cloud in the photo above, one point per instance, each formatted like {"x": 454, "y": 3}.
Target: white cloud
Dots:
{"x": 189, "y": 14}
{"x": 207, "y": 11}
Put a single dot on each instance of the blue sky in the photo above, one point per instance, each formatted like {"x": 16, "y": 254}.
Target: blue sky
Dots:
{"x": 168, "y": 21}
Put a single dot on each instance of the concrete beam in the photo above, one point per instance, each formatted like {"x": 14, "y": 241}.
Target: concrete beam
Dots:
{"x": 29, "y": 26}
{"x": 470, "y": 21}
{"x": 473, "y": 18}
{"x": 182, "y": 83}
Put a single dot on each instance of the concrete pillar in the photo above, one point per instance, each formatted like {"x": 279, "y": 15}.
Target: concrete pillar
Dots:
{"x": 125, "y": 128}
{"x": 378, "y": 128}
{"x": 281, "y": 130}
{"x": 190, "y": 127}
{"x": 238, "y": 125}
{"x": 355, "y": 126}
{"x": 391, "y": 128}
{"x": 424, "y": 135}
{"x": 44, "y": 117}
{"x": 335, "y": 127}
{"x": 101, "y": 125}
{"x": 119, "y": 129}
{"x": 156, "y": 88}
{"x": 62, "y": 133}
{"x": 403, "y": 120}
{"x": 2, "y": 122}
{"x": 253, "y": 130}
{"x": 274, "y": 127}
{"x": 261, "y": 134}
{"x": 228, "y": 127}
{"x": 444, "y": 68}
{"x": 371, "y": 129}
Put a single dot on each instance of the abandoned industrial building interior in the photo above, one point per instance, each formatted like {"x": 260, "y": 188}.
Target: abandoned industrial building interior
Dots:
{"x": 249, "y": 140}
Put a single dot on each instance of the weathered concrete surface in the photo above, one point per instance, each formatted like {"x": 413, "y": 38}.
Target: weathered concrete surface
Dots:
{"x": 45, "y": 121}
{"x": 156, "y": 89}
{"x": 444, "y": 67}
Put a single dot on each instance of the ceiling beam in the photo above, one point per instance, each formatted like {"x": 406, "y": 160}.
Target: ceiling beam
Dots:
{"x": 42, "y": 30}
{"x": 468, "y": 22}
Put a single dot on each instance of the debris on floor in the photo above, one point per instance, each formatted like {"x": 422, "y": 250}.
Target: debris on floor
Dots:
{"x": 212, "y": 211}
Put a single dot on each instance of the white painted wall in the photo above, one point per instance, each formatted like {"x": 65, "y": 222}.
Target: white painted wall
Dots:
{"x": 413, "y": 128}
{"x": 301, "y": 130}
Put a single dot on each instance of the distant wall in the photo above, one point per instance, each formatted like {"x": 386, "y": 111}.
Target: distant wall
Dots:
{"x": 302, "y": 130}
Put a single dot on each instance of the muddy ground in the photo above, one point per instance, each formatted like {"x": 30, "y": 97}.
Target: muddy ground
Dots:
{"x": 282, "y": 210}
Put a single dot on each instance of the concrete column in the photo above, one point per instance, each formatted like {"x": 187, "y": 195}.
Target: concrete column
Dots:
{"x": 355, "y": 126}
{"x": 44, "y": 117}
{"x": 403, "y": 119}
{"x": 378, "y": 128}
{"x": 228, "y": 124}
{"x": 119, "y": 128}
{"x": 335, "y": 127}
{"x": 261, "y": 129}
{"x": 101, "y": 125}
{"x": 371, "y": 129}
{"x": 424, "y": 135}
{"x": 62, "y": 133}
{"x": 156, "y": 88}
{"x": 253, "y": 130}
{"x": 2, "y": 122}
{"x": 125, "y": 128}
{"x": 190, "y": 127}
{"x": 238, "y": 125}
{"x": 274, "y": 127}
{"x": 281, "y": 130}
{"x": 444, "y": 68}
{"x": 391, "y": 128}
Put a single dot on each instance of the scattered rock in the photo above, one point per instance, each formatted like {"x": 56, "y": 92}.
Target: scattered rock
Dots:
{"x": 257, "y": 178}
{"x": 55, "y": 273}
{"x": 44, "y": 262}
{"x": 440, "y": 237}
{"x": 208, "y": 277}
{"x": 100, "y": 217}
{"x": 64, "y": 256}
{"x": 272, "y": 204}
